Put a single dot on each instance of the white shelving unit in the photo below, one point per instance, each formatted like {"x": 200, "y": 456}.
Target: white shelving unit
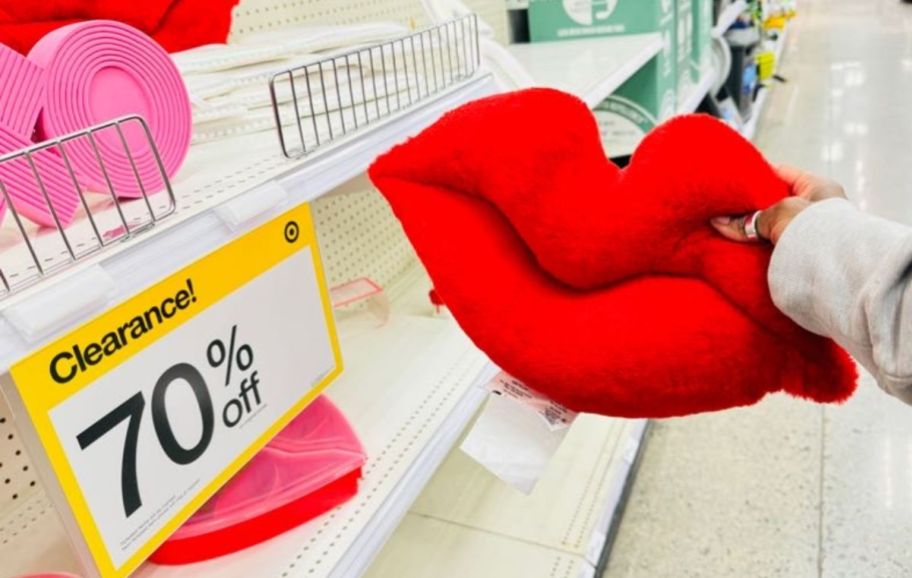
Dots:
{"x": 728, "y": 17}
{"x": 591, "y": 68}
{"x": 220, "y": 175}
{"x": 698, "y": 93}
{"x": 749, "y": 130}
{"x": 426, "y": 546}
{"x": 410, "y": 387}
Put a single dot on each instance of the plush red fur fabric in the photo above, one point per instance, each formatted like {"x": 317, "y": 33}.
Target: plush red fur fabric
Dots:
{"x": 606, "y": 289}
{"x": 175, "y": 24}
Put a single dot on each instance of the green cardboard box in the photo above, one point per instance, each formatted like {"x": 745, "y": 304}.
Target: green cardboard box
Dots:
{"x": 701, "y": 51}
{"x": 638, "y": 106}
{"x": 650, "y": 96}
{"x": 684, "y": 38}
{"x": 568, "y": 19}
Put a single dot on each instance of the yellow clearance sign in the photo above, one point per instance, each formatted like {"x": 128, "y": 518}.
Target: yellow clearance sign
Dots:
{"x": 247, "y": 332}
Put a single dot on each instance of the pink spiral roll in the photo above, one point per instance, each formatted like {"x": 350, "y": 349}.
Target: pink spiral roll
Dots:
{"x": 99, "y": 70}
{"x": 22, "y": 90}
{"x": 22, "y": 84}
{"x": 28, "y": 196}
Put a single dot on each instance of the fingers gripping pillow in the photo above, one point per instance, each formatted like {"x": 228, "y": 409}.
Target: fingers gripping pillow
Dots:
{"x": 605, "y": 289}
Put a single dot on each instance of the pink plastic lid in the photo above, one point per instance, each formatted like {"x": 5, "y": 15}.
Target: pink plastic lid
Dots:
{"x": 317, "y": 448}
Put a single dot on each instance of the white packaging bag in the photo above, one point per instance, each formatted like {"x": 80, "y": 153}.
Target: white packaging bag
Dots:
{"x": 517, "y": 433}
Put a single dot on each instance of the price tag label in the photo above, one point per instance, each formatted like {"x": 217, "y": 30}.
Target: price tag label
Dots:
{"x": 143, "y": 413}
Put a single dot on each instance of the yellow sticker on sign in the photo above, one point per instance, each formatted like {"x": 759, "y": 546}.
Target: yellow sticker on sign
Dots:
{"x": 143, "y": 413}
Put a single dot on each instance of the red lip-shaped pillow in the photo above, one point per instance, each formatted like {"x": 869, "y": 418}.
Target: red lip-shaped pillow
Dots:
{"x": 606, "y": 289}
{"x": 175, "y": 24}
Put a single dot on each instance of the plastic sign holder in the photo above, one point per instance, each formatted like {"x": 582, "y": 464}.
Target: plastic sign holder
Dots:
{"x": 137, "y": 417}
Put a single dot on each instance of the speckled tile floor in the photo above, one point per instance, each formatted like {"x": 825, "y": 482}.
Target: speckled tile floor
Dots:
{"x": 787, "y": 488}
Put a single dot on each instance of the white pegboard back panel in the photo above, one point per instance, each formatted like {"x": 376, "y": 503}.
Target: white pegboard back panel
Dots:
{"x": 360, "y": 237}
{"x": 494, "y": 14}
{"x": 18, "y": 480}
{"x": 253, "y": 16}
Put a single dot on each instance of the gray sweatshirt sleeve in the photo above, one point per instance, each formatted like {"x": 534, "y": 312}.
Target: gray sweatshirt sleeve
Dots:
{"x": 847, "y": 275}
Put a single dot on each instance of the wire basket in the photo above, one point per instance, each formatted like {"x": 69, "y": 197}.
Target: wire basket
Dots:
{"x": 42, "y": 178}
{"x": 319, "y": 102}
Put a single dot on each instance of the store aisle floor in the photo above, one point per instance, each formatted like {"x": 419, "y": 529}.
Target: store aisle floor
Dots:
{"x": 788, "y": 488}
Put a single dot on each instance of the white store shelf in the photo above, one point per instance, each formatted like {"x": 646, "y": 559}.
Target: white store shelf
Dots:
{"x": 749, "y": 130}
{"x": 685, "y": 106}
{"x": 424, "y": 547}
{"x": 213, "y": 174}
{"x": 698, "y": 93}
{"x": 409, "y": 389}
{"x": 728, "y": 17}
{"x": 558, "y": 530}
{"x": 591, "y": 68}
{"x": 780, "y": 46}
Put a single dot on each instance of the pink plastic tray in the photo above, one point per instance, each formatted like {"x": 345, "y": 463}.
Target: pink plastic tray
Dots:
{"x": 312, "y": 466}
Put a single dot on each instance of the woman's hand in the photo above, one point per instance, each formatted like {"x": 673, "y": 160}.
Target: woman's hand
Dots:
{"x": 805, "y": 187}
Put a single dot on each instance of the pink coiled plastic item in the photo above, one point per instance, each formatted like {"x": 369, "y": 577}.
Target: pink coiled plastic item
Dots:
{"x": 22, "y": 94}
{"x": 100, "y": 70}
{"x": 22, "y": 89}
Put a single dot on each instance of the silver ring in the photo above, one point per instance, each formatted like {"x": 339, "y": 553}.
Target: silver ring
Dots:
{"x": 750, "y": 226}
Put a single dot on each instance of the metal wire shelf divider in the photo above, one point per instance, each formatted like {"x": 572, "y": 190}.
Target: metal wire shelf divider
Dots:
{"x": 101, "y": 238}
{"x": 333, "y": 97}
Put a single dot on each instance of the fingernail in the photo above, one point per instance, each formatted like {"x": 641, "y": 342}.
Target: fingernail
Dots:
{"x": 721, "y": 220}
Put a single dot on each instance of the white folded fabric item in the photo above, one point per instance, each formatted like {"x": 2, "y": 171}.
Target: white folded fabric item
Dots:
{"x": 390, "y": 87}
{"x": 229, "y": 84}
{"x": 261, "y": 73}
{"x": 247, "y": 123}
{"x": 281, "y": 44}
{"x": 247, "y": 85}
{"x": 217, "y": 57}
{"x": 255, "y": 95}
{"x": 211, "y": 112}
{"x": 509, "y": 73}
{"x": 206, "y": 86}
{"x": 366, "y": 107}
{"x": 247, "y": 95}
